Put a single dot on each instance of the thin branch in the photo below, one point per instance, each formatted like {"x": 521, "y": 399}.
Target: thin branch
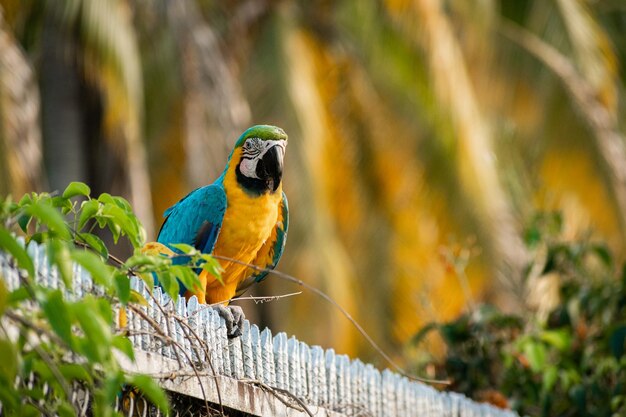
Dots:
{"x": 180, "y": 373}
{"x": 261, "y": 299}
{"x": 256, "y": 299}
{"x": 39, "y": 330}
{"x": 85, "y": 245}
{"x": 603, "y": 124}
{"x": 54, "y": 369}
{"x": 207, "y": 355}
{"x": 170, "y": 341}
{"x": 276, "y": 391}
{"x": 326, "y": 297}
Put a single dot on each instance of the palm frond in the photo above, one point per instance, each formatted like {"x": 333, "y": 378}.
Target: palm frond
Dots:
{"x": 599, "y": 119}
{"x": 477, "y": 171}
{"x": 591, "y": 50}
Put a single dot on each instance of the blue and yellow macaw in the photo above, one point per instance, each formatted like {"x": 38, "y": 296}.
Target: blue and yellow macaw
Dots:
{"x": 242, "y": 216}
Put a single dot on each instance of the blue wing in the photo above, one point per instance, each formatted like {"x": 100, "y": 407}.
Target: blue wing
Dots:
{"x": 196, "y": 219}
{"x": 270, "y": 253}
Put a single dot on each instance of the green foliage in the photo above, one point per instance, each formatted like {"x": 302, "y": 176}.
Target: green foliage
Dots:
{"x": 61, "y": 340}
{"x": 570, "y": 361}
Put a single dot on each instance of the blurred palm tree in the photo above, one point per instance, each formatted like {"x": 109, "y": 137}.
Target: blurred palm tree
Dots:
{"x": 424, "y": 133}
{"x": 20, "y": 133}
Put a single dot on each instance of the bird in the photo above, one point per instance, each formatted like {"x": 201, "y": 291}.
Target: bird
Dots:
{"x": 242, "y": 219}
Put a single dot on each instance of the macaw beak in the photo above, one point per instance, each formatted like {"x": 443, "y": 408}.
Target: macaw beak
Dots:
{"x": 270, "y": 167}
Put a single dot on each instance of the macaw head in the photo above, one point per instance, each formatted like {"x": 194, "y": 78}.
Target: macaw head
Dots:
{"x": 258, "y": 156}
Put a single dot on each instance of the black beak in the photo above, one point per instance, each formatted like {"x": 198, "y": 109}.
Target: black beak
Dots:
{"x": 270, "y": 167}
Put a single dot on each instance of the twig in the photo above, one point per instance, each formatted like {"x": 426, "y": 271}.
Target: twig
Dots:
{"x": 85, "y": 245}
{"x": 261, "y": 299}
{"x": 181, "y": 373}
{"x": 42, "y": 410}
{"x": 326, "y": 297}
{"x": 39, "y": 330}
{"x": 170, "y": 341}
{"x": 54, "y": 369}
{"x": 207, "y": 355}
{"x": 256, "y": 299}
{"x": 275, "y": 391}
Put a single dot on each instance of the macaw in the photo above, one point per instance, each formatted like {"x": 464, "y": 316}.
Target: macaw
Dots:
{"x": 242, "y": 218}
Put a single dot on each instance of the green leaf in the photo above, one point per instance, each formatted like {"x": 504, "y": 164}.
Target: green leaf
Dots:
{"x": 604, "y": 254}
{"x": 9, "y": 244}
{"x": 187, "y": 277}
{"x": 578, "y": 395}
{"x": 169, "y": 284}
{"x": 535, "y": 352}
{"x": 23, "y": 221}
{"x": 9, "y": 362}
{"x": 58, "y": 314}
{"x": 151, "y": 390}
{"x": 4, "y": 297}
{"x": 122, "y": 203}
{"x": 148, "y": 279}
{"x": 550, "y": 377}
{"x": 9, "y": 398}
{"x": 76, "y": 188}
{"x": 106, "y": 198}
{"x": 140, "y": 235}
{"x": 97, "y": 331}
{"x": 124, "y": 345}
{"x": 617, "y": 340}
{"x": 59, "y": 255}
{"x": 122, "y": 287}
{"x": 116, "y": 230}
{"x": 96, "y": 244}
{"x": 120, "y": 218}
{"x": 29, "y": 410}
{"x": 212, "y": 266}
{"x": 137, "y": 298}
{"x": 185, "y": 248}
{"x": 63, "y": 203}
{"x": 26, "y": 200}
{"x": 147, "y": 262}
{"x": 75, "y": 372}
{"x": 100, "y": 272}
{"x": 105, "y": 309}
{"x": 51, "y": 218}
{"x": 65, "y": 410}
{"x": 560, "y": 339}
{"x": 88, "y": 210}
{"x": 18, "y": 295}
{"x": 532, "y": 236}
{"x": 113, "y": 385}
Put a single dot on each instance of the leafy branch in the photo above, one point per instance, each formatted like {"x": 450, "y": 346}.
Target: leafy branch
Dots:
{"x": 53, "y": 338}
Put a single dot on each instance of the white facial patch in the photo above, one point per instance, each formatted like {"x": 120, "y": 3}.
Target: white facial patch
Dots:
{"x": 248, "y": 167}
{"x": 253, "y": 151}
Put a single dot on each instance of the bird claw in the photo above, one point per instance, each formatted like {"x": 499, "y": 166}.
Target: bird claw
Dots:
{"x": 234, "y": 317}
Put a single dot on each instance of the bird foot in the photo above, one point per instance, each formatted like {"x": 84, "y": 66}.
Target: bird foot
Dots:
{"x": 234, "y": 317}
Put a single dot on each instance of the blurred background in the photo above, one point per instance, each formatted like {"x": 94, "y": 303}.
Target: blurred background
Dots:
{"x": 425, "y": 135}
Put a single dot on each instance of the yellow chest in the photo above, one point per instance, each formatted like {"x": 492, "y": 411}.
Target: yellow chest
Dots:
{"x": 247, "y": 224}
